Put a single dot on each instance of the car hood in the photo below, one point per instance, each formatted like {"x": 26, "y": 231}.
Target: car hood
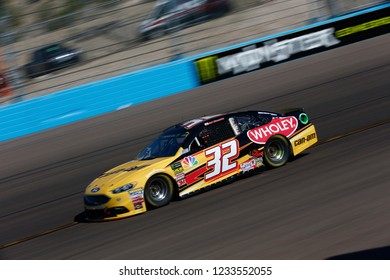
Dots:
{"x": 129, "y": 172}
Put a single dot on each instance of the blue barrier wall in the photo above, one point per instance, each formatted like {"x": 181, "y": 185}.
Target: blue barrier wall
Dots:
{"x": 97, "y": 98}
{"x": 112, "y": 94}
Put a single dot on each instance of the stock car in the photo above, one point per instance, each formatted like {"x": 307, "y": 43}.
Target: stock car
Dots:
{"x": 171, "y": 15}
{"x": 51, "y": 58}
{"x": 197, "y": 154}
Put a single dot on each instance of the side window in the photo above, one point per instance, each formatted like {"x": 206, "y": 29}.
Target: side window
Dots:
{"x": 169, "y": 7}
{"x": 215, "y": 133}
{"x": 163, "y": 11}
{"x": 52, "y": 51}
{"x": 195, "y": 146}
{"x": 264, "y": 118}
{"x": 181, "y": 2}
{"x": 247, "y": 121}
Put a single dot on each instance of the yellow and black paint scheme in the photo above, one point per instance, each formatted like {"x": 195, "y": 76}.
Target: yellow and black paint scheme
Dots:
{"x": 120, "y": 192}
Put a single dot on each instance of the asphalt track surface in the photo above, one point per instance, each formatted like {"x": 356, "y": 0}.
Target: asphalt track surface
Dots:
{"x": 331, "y": 202}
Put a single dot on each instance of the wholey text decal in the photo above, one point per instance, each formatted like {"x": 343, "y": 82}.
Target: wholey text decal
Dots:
{"x": 285, "y": 126}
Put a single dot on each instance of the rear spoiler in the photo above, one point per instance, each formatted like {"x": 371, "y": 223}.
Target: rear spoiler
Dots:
{"x": 299, "y": 113}
{"x": 291, "y": 111}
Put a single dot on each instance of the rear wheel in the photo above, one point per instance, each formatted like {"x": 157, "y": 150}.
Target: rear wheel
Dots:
{"x": 158, "y": 191}
{"x": 276, "y": 151}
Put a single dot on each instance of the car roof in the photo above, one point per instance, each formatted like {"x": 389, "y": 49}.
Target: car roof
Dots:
{"x": 197, "y": 122}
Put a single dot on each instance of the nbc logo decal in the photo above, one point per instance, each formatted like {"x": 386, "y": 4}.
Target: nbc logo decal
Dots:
{"x": 189, "y": 161}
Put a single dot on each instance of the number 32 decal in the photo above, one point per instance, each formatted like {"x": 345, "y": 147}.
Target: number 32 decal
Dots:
{"x": 221, "y": 163}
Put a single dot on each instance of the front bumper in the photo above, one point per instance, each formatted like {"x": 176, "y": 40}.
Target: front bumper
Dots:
{"x": 103, "y": 207}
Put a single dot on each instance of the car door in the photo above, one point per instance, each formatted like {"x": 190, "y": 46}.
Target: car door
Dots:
{"x": 39, "y": 65}
{"x": 163, "y": 15}
{"x": 192, "y": 9}
{"x": 210, "y": 157}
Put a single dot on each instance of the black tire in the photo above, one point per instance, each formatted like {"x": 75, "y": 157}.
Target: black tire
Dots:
{"x": 276, "y": 151}
{"x": 156, "y": 33}
{"x": 158, "y": 191}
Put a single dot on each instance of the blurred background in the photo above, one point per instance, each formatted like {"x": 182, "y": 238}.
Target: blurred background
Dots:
{"x": 51, "y": 45}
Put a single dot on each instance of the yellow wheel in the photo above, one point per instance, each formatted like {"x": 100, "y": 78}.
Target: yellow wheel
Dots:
{"x": 276, "y": 151}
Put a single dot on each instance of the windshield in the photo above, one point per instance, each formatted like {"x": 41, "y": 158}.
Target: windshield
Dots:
{"x": 166, "y": 145}
{"x": 161, "y": 10}
{"x": 154, "y": 13}
{"x": 53, "y": 50}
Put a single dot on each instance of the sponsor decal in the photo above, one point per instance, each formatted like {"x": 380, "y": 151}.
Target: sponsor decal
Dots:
{"x": 181, "y": 179}
{"x": 303, "y": 140}
{"x": 363, "y": 27}
{"x": 214, "y": 121}
{"x": 304, "y": 118}
{"x": 251, "y": 164}
{"x": 207, "y": 68}
{"x": 189, "y": 161}
{"x": 343, "y": 31}
{"x": 251, "y": 58}
{"x": 178, "y": 171}
{"x": 177, "y": 168}
{"x": 181, "y": 183}
{"x": 285, "y": 126}
{"x": 175, "y": 165}
{"x": 180, "y": 176}
{"x": 137, "y": 193}
{"x": 137, "y": 198}
{"x": 256, "y": 153}
{"x": 234, "y": 125}
{"x": 94, "y": 190}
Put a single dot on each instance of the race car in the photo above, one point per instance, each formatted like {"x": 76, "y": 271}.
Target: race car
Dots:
{"x": 173, "y": 15}
{"x": 197, "y": 154}
{"x": 51, "y": 58}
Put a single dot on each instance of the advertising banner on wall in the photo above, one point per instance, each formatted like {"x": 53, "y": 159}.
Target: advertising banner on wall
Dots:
{"x": 343, "y": 31}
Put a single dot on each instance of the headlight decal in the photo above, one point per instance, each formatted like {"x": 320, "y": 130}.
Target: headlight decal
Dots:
{"x": 123, "y": 188}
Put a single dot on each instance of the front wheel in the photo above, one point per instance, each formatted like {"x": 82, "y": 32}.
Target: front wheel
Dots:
{"x": 276, "y": 151}
{"x": 158, "y": 191}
